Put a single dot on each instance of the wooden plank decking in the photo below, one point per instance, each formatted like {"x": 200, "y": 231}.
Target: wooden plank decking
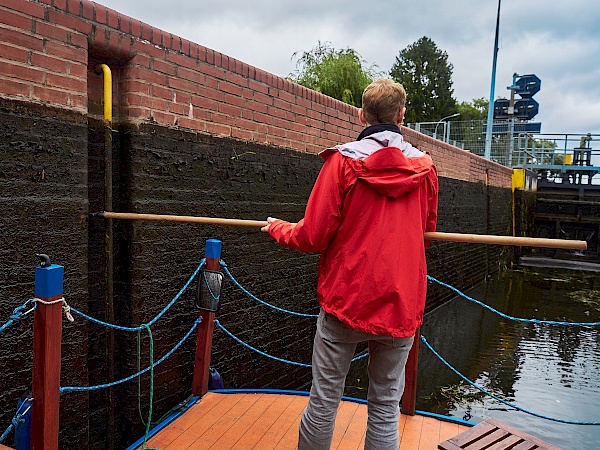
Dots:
{"x": 493, "y": 434}
{"x": 270, "y": 421}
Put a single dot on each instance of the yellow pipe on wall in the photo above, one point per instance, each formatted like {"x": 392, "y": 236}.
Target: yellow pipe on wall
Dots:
{"x": 107, "y": 90}
{"x": 109, "y": 267}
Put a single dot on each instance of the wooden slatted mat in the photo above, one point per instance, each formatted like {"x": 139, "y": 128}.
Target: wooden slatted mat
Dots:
{"x": 270, "y": 421}
{"x": 494, "y": 435}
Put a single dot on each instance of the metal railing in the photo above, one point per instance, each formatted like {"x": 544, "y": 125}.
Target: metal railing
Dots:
{"x": 561, "y": 157}
{"x": 437, "y": 130}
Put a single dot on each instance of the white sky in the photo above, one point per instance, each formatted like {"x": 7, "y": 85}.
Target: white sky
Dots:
{"x": 559, "y": 41}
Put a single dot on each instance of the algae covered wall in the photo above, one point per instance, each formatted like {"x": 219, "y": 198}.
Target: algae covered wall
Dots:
{"x": 43, "y": 209}
{"x": 195, "y": 133}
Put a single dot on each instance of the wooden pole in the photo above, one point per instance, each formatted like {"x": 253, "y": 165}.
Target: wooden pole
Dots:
{"x": 206, "y": 327}
{"x": 430, "y": 235}
{"x": 506, "y": 240}
{"x": 47, "y": 335}
{"x": 186, "y": 219}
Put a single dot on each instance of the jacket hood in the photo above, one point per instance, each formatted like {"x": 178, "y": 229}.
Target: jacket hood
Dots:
{"x": 370, "y": 144}
{"x": 388, "y": 172}
{"x": 389, "y": 165}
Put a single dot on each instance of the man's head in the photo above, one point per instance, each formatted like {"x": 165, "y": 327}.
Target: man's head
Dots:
{"x": 383, "y": 102}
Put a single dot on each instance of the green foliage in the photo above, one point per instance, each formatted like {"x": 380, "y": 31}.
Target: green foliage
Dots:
{"x": 588, "y": 297}
{"x": 545, "y": 152}
{"x": 341, "y": 74}
{"x": 475, "y": 110}
{"x": 426, "y": 74}
{"x": 545, "y": 144}
{"x": 460, "y": 394}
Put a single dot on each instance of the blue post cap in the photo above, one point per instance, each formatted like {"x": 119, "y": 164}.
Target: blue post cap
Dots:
{"x": 213, "y": 248}
{"x": 49, "y": 281}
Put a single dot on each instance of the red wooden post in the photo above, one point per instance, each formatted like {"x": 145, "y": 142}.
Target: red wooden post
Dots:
{"x": 409, "y": 398}
{"x": 205, "y": 328}
{"x": 47, "y": 335}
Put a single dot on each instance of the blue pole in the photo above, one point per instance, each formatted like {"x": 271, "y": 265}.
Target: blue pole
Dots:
{"x": 490, "y": 118}
{"x": 47, "y": 333}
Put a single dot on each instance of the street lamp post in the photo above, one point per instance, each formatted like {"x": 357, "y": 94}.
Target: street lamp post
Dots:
{"x": 490, "y": 117}
{"x": 446, "y": 138}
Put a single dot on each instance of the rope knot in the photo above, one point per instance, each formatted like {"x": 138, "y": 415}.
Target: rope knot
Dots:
{"x": 67, "y": 311}
{"x": 66, "y": 308}
{"x": 18, "y": 312}
{"x": 17, "y": 420}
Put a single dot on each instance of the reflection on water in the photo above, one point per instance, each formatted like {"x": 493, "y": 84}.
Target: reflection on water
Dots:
{"x": 549, "y": 369}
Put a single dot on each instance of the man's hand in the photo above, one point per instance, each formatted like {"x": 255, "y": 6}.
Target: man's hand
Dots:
{"x": 270, "y": 220}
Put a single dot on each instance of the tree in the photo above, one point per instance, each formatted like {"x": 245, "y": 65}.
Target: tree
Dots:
{"x": 475, "y": 110}
{"x": 340, "y": 74}
{"x": 426, "y": 74}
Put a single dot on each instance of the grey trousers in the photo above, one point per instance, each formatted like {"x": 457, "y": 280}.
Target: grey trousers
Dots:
{"x": 334, "y": 347}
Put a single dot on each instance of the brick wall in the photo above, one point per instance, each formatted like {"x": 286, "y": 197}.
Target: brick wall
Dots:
{"x": 458, "y": 164}
{"x": 51, "y": 48}
{"x": 196, "y": 132}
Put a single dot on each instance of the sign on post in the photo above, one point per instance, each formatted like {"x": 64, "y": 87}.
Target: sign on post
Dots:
{"x": 527, "y": 85}
{"x": 525, "y": 108}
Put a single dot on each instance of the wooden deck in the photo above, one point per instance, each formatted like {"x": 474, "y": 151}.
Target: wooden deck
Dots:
{"x": 493, "y": 434}
{"x": 270, "y": 421}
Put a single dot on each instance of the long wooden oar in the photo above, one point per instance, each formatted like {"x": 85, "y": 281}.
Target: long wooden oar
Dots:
{"x": 430, "y": 235}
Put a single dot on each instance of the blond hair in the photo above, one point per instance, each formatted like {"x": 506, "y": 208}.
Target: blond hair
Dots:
{"x": 382, "y": 100}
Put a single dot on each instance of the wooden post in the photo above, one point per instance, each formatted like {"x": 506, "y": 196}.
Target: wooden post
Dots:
{"x": 47, "y": 335}
{"x": 205, "y": 328}
{"x": 409, "y": 398}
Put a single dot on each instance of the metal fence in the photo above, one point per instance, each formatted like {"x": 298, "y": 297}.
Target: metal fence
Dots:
{"x": 468, "y": 135}
{"x": 438, "y": 130}
{"x": 553, "y": 154}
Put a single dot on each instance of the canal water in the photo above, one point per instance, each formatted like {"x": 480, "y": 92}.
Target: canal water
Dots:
{"x": 548, "y": 369}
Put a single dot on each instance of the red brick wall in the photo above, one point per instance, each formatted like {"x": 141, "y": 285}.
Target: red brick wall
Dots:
{"x": 48, "y": 49}
{"x": 453, "y": 162}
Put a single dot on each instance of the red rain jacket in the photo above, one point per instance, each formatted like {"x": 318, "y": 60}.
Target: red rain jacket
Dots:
{"x": 367, "y": 218}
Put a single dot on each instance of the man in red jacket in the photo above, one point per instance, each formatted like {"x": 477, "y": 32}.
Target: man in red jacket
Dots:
{"x": 369, "y": 208}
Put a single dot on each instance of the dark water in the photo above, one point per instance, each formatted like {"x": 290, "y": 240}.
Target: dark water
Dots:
{"x": 549, "y": 369}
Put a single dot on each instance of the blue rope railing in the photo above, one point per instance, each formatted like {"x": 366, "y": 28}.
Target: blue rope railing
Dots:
{"x": 511, "y": 405}
{"x": 131, "y": 377}
{"x": 516, "y": 319}
{"x": 506, "y": 316}
{"x": 249, "y": 294}
{"x": 158, "y": 316}
{"x": 17, "y": 314}
{"x": 260, "y": 352}
{"x": 146, "y": 327}
{"x": 17, "y": 419}
{"x": 20, "y": 312}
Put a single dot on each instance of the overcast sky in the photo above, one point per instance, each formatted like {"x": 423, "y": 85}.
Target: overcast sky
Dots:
{"x": 559, "y": 41}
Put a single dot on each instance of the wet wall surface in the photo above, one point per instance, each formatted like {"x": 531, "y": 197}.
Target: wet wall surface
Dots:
{"x": 170, "y": 171}
{"x": 467, "y": 208}
{"x": 43, "y": 209}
